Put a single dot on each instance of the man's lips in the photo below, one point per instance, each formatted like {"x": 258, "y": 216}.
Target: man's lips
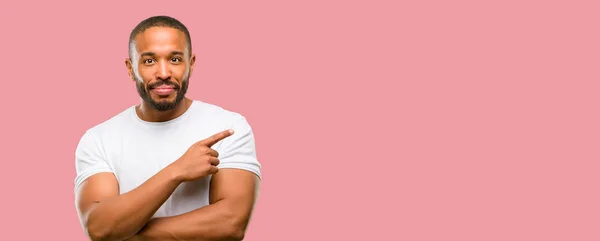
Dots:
{"x": 163, "y": 89}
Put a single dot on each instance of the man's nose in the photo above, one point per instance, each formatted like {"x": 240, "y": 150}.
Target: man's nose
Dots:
{"x": 164, "y": 71}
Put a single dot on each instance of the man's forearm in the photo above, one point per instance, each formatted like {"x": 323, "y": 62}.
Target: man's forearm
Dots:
{"x": 122, "y": 216}
{"x": 215, "y": 222}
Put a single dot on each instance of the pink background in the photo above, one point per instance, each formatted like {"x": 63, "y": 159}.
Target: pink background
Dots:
{"x": 374, "y": 120}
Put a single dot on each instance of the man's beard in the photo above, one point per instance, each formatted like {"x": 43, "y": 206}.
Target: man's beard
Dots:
{"x": 163, "y": 105}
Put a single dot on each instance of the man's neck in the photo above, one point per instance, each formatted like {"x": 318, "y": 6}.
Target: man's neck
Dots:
{"x": 147, "y": 113}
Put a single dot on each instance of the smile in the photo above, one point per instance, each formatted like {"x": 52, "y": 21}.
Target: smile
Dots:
{"x": 163, "y": 90}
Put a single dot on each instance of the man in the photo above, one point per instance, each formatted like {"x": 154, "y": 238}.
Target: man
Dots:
{"x": 170, "y": 168}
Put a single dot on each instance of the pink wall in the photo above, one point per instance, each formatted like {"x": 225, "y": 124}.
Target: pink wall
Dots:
{"x": 436, "y": 120}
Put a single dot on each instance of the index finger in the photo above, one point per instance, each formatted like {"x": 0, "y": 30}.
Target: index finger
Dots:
{"x": 215, "y": 138}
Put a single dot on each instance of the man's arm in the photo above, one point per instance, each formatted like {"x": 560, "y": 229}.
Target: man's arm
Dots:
{"x": 232, "y": 197}
{"x": 106, "y": 215}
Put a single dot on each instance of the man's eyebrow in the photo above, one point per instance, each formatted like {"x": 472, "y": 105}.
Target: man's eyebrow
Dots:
{"x": 176, "y": 52}
{"x": 148, "y": 54}
{"x": 154, "y": 54}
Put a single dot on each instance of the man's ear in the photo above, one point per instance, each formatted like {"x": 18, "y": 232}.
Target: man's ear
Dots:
{"x": 129, "y": 68}
{"x": 192, "y": 61}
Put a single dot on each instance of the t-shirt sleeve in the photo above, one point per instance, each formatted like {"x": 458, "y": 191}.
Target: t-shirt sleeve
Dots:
{"x": 239, "y": 150}
{"x": 89, "y": 159}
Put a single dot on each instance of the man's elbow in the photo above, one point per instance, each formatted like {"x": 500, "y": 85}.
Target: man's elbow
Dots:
{"x": 103, "y": 236}
{"x": 235, "y": 234}
{"x": 102, "y": 233}
{"x": 98, "y": 235}
{"x": 95, "y": 232}
{"x": 235, "y": 228}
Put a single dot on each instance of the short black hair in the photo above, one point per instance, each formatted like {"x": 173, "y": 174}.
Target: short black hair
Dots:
{"x": 159, "y": 21}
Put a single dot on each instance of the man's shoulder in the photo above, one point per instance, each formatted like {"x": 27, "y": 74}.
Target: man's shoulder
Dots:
{"x": 114, "y": 123}
{"x": 218, "y": 113}
{"x": 96, "y": 135}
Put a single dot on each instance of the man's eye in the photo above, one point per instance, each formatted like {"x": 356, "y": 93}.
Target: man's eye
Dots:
{"x": 176, "y": 60}
{"x": 148, "y": 61}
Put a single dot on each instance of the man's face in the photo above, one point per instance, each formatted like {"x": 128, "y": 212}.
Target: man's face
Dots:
{"x": 161, "y": 66}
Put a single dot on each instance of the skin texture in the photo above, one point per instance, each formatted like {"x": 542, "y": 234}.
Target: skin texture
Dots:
{"x": 161, "y": 58}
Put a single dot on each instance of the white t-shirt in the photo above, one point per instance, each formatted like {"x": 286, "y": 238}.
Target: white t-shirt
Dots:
{"x": 135, "y": 150}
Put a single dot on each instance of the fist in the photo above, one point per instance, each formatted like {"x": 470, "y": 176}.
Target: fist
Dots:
{"x": 200, "y": 160}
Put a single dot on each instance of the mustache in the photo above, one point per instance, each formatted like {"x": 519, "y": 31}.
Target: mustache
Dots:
{"x": 163, "y": 82}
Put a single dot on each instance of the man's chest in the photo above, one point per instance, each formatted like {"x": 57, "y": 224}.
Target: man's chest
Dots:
{"x": 137, "y": 158}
